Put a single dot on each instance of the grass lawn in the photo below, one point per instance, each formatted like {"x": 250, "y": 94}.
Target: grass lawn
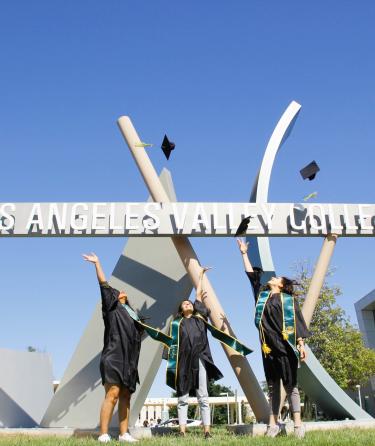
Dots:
{"x": 344, "y": 437}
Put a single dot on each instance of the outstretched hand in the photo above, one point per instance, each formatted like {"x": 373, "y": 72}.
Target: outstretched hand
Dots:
{"x": 201, "y": 293}
{"x": 204, "y": 270}
{"x": 242, "y": 245}
{"x": 92, "y": 258}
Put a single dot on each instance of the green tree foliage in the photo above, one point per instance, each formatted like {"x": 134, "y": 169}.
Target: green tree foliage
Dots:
{"x": 220, "y": 412}
{"x": 335, "y": 341}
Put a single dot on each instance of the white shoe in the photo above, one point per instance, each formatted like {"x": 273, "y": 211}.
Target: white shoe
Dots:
{"x": 299, "y": 431}
{"x": 104, "y": 438}
{"x": 127, "y": 438}
{"x": 273, "y": 431}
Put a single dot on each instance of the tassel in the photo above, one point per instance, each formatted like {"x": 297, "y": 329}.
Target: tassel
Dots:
{"x": 266, "y": 349}
{"x": 285, "y": 335}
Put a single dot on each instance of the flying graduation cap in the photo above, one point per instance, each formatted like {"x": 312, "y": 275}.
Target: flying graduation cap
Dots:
{"x": 167, "y": 147}
{"x": 243, "y": 226}
{"x": 310, "y": 171}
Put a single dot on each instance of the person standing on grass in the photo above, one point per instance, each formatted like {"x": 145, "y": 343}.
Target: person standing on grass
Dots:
{"x": 119, "y": 360}
{"x": 190, "y": 363}
{"x": 194, "y": 364}
{"x": 282, "y": 330}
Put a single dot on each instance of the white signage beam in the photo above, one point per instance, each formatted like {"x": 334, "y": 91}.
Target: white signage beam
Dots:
{"x": 189, "y": 219}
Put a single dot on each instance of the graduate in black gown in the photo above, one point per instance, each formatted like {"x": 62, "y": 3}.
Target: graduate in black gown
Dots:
{"x": 119, "y": 359}
{"x": 195, "y": 364}
{"x": 280, "y": 356}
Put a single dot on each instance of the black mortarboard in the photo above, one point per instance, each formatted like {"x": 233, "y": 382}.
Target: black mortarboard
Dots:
{"x": 310, "y": 171}
{"x": 167, "y": 147}
{"x": 243, "y": 226}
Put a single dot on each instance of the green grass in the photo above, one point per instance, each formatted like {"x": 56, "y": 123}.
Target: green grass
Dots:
{"x": 344, "y": 437}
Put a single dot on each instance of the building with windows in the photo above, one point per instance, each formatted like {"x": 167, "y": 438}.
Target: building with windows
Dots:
{"x": 157, "y": 408}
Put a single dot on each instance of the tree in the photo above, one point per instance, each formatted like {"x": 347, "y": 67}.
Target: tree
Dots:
{"x": 335, "y": 341}
{"x": 220, "y": 412}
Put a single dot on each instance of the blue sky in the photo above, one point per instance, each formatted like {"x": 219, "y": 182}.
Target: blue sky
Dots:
{"x": 215, "y": 76}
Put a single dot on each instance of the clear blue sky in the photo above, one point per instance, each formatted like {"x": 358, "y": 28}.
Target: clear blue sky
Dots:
{"x": 216, "y": 76}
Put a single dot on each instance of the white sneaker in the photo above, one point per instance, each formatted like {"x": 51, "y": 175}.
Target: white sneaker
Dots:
{"x": 299, "y": 431}
{"x": 273, "y": 431}
{"x": 127, "y": 438}
{"x": 104, "y": 438}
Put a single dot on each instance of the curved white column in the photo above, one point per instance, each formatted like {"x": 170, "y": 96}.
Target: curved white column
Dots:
{"x": 278, "y": 137}
{"x": 260, "y": 253}
{"x": 313, "y": 378}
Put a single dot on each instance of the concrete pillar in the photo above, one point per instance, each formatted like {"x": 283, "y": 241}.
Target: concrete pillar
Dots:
{"x": 232, "y": 418}
{"x": 239, "y": 412}
{"x": 318, "y": 277}
{"x": 158, "y": 412}
{"x": 240, "y": 365}
{"x": 143, "y": 415}
{"x": 165, "y": 411}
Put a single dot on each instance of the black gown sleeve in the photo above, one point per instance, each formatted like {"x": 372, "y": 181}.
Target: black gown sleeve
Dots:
{"x": 200, "y": 308}
{"x": 301, "y": 329}
{"x": 255, "y": 278}
{"x": 109, "y": 297}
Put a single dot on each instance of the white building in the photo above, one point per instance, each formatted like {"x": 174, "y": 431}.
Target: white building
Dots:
{"x": 238, "y": 408}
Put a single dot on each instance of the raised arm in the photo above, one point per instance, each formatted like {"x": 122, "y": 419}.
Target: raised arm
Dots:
{"x": 200, "y": 294}
{"x": 93, "y": 258}
{"x": 243, "y": 246}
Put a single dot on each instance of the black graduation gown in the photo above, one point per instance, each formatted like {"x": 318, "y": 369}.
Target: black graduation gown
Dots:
{"x": 282, "y": 361}
{"x": 122, "y": 342}
{"x": 192, "y": 347}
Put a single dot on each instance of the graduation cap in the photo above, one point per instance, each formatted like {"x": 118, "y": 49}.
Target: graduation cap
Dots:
{"x": 310, "y": 171}
{"x": 167, "y": 147}
{"x": 243, "y": 226}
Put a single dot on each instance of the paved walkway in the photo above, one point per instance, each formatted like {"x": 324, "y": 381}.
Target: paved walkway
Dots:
{"x": 141, "y": 432}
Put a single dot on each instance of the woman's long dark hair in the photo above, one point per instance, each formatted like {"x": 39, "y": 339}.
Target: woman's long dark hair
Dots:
{"x": 288, "y": 285}
{"x": 179, "y": 310}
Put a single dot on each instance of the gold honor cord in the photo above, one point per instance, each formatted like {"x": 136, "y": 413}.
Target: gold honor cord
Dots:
{"x": 288, "y": 332}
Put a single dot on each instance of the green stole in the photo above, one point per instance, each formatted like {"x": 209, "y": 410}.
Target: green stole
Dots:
{"x": 289, "y": 325}
{"x": 172, "y": 364}
{"x": 225, "y": 338}
{"x": 153, "y": 332}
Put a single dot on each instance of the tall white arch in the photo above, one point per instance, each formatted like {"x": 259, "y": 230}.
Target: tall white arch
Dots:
{"x": 313, "y": 378}
{"x": 260, "y": 253}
